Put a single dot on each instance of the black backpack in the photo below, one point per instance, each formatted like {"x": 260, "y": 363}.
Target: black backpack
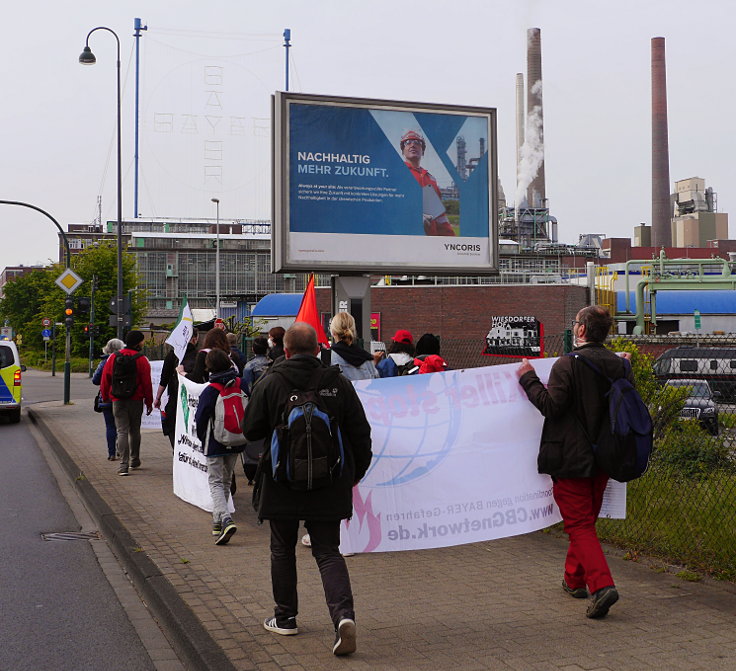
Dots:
{"x": 124, "y": 375}
{"x": 306, "y": 450}
{"x": 625, "y": 440}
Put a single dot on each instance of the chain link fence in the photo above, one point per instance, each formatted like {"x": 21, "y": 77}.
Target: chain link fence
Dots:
{"x": 683, "y": 510}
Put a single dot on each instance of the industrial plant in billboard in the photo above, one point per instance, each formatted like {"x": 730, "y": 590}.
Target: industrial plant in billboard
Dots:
{"x": 377, "y": 184}
{"x": 515, "y": 336}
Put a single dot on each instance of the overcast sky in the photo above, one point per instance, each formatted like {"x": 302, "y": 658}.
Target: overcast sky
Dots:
{"x": 58, "y": 117}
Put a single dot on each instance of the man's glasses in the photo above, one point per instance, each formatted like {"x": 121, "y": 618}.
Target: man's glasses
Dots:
{"x": 575, "y": 321}
{"x": 412, "y": 141}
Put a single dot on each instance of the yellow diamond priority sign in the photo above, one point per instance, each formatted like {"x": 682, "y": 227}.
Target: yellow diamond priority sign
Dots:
{"x": 69, "y": 281}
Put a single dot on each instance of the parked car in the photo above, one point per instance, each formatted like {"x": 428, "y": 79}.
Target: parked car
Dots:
{"x": 701, "y": 404}
{"x": 11, "y": 384}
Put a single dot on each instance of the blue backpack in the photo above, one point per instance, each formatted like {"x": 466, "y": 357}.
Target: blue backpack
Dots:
{"x": 306, "y": 451}
{"x": 625, "y": 439}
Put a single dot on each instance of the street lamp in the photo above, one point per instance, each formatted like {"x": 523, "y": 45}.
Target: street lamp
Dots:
{"x": 88, "y": 58}
{"x": 216, "y": 201}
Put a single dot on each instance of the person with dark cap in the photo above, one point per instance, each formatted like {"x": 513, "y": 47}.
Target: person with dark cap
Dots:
{"x": 400, "y": 357}
{"x": 126, "y": 381}
{"x": 435, "y": 218}
{"x": 428, "y": 357}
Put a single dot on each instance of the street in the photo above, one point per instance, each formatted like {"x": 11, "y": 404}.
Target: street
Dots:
{"x": 59, "y": 610}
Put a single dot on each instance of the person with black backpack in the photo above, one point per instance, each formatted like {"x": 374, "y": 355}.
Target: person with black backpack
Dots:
{"x": 319, "y": 447}
{"x": 126, "y": 381}
{"x": 575, "y": 406}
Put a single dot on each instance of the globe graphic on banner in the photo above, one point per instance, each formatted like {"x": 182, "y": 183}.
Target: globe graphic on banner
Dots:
{"x": 414, "y": 428}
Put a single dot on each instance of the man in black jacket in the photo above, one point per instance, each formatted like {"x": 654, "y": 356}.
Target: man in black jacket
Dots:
{"x": 574, "y": 405}
{"x": 320, "y": 509}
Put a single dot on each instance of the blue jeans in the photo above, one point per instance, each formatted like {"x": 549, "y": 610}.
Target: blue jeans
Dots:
{"x": 111, "y": 433}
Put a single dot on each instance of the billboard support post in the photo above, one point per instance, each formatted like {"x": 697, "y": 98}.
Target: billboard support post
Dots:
{"x": 352, "y": 293}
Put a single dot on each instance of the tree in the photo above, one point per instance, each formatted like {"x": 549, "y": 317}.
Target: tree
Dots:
{"x": 32, "y": 297}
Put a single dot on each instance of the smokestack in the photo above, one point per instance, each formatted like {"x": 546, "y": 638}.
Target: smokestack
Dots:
{"x": 661, "y": 221}
{"x": 536, "y": 191}
{"x": 520, "y": 116}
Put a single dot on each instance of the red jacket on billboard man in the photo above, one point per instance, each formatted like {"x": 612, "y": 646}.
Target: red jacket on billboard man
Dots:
{"x": 412, "y": 149}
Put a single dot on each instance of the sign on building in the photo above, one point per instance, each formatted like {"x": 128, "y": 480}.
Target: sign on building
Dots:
{"x": 517, "y": 336}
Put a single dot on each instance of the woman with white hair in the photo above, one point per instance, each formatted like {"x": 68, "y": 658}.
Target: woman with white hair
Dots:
{"x": 111, "y": 432}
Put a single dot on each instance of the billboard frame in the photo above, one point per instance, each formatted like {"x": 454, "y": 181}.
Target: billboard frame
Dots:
{"x": 281, "y": 258}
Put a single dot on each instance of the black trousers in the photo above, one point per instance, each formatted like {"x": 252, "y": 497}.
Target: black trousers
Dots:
{"x": 325, "y": 538}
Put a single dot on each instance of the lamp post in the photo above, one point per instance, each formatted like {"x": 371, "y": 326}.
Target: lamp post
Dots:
{"x": 88, "y": 58}
{"x": 216, "y": 201}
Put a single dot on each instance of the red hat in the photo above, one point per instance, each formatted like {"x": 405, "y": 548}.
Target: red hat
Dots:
{"x": 402, "y": 335}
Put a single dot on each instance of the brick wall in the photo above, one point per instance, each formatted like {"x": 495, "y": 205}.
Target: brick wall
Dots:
{"x": 461, "y": 315}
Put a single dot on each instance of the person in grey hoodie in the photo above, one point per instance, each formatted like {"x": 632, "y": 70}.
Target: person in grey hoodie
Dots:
{"x": 355, "y": 363}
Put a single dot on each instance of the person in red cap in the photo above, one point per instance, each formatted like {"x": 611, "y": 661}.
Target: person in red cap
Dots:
{"x": 400, "y": 358}
{"x": 413, "y": 147}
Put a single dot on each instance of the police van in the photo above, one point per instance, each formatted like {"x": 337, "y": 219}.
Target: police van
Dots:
{"x": 11, "y": 386}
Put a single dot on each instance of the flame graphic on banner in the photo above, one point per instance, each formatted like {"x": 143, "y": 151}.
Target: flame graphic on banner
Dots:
{"x": 368, "y": 533}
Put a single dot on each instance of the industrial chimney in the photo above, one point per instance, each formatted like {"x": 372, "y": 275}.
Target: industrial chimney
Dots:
{"x": 536, "y": 191}
{"x": 661, "y": 213}
{"x": 520, "y": 119}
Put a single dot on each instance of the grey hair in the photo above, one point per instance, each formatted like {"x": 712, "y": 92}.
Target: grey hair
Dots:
{"x": 114, "y": 345}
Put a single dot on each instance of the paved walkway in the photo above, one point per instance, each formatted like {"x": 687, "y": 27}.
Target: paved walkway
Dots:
{"x": 495, "y": 605}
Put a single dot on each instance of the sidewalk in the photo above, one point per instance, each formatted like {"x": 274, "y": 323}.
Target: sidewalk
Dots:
{"x": 495, "y": 605}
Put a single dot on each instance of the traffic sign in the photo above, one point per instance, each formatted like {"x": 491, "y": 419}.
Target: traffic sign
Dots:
{"x": 696, "y": 314}
{"x": 46, "y": 322}
{"x": 68, "y": 281}
{"x": 46, "y": 333}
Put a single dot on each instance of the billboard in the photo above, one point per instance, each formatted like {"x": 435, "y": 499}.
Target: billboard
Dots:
{"x": 381, "y": 186}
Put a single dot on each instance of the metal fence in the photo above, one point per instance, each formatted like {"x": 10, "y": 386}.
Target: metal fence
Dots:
{"x": 683, "y": 510}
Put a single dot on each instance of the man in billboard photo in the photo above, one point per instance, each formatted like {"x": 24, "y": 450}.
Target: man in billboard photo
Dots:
{"x": 413, "y": 146}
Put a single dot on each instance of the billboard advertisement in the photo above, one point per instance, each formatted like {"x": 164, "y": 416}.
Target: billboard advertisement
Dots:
{"x": 377, "y": 186}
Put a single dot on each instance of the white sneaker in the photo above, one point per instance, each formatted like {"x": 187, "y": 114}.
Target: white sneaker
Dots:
{"x": 306, "y": 540}
{"x": 345, "y": 638}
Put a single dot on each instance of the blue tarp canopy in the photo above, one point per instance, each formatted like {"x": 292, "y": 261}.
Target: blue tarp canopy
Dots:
{"x": 278, "y": 305}
{"x": 684, "y": 302}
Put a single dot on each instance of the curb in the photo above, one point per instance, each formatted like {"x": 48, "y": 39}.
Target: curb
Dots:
{"x": 192, "y": 643}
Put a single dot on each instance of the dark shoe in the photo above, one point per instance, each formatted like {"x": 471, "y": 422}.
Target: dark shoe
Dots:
{"x": 123, "y": 470}
{"x": 216, "y": 528}
{"x": 228, "y": 529}
{"x": 603, "y": 599}
{"x": 135, "y": 463}
{"x": 344, "y": 637}
{"x": 286, "y": 626}
{"x": 577, "y": 593}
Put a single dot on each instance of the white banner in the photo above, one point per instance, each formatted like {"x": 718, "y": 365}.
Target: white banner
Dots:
{"x": 454, "y": 461}
{"x": 190, "y": 464}
{"x": 153, "y": 421}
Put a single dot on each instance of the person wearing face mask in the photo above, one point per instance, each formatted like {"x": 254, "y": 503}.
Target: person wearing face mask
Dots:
{"x": 574, "y": 405}
{"x": 276, "y": 343}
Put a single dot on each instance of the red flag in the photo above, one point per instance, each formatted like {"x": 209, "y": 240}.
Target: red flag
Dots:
{"x": 308, "y": 312}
